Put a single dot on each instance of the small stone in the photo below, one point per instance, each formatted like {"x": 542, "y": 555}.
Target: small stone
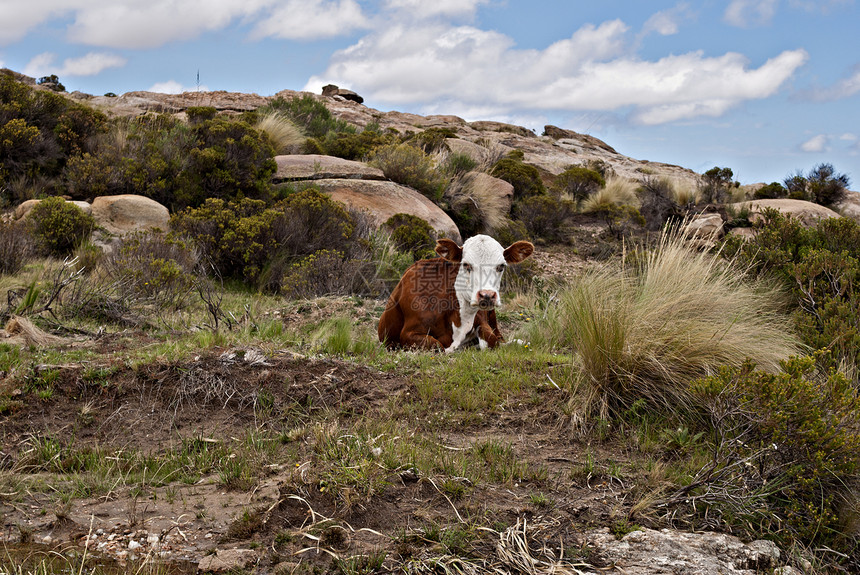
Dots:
{"x": 134, "y": 545}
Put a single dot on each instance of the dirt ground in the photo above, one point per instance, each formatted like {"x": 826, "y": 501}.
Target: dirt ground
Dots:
{"x": 285, "y": 515}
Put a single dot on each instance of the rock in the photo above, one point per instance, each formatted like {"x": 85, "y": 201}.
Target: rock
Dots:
{"x": 808, "y": 213}
{"x": 381, "y": 200}
{"x": 227, "y": 560}
{"x": 24, "y": 208}
{"x": 316, "y": 167}
{"x": 488, "y": 190}
{"x": 650, "y": 552}
{"x": 705, "y": 226}
{"x": 488, "y": 126}
{"x": 330, "y": 91}
{"x": 128, "y": 213}
{"x": 849, "y": 206}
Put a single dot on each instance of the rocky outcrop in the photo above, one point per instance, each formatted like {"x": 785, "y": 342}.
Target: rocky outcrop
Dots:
{"x": 332, "y": 91}
{"x": 381, "y": 200}
{"x": 668, "y": 552}
{"x": 126, "y": 213}
{"x": 316, "y": 167}
{"x": 808, "y": 213}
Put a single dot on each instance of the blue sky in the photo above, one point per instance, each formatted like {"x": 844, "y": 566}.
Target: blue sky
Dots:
{"x": 764, "y": 87}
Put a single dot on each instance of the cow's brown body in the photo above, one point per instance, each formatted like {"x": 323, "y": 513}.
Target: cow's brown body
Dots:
{"x": 423, "y": 309}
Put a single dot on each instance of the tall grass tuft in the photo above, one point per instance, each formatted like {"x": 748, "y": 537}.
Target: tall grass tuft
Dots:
{"x": 646, "y": 330}
{"x": 617, "y": 191}
{"x": 286, "y": 137}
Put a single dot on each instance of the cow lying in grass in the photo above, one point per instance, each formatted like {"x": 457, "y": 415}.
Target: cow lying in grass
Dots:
{"x": 449, "y": 302}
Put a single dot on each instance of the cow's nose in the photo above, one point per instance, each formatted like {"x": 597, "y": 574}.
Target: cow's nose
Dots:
{"x": 486, "y": 297}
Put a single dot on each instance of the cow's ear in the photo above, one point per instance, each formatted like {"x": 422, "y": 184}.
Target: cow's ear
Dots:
{"x": 449, "y": 250}
{"x": 518, "y": 251}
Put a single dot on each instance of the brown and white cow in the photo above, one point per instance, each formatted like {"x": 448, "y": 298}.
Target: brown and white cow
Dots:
{"x": 449, "y": 302}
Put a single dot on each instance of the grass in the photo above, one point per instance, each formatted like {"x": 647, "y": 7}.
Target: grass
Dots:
{"x": 617, "y": 192}
{"x": 284, "y": 134}
{"x": 647, "y": 329}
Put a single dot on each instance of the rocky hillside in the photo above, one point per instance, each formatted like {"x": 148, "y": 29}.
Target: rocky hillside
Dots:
{"x": 552, "y": 152}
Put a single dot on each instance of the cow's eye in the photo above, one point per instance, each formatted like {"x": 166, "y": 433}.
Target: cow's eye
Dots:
{"x": 467, "y": 267}
{"x": 500, "y": 268}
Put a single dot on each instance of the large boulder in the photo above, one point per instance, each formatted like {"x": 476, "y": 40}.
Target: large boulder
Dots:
{"x": 126, "y": 213}
{"x": 330, "y": 91}
{"x": 849, "y": 206}
{"x": 382, "y": 199}
{"x": 807, "y": 213}
{"x": 317, "y": 167}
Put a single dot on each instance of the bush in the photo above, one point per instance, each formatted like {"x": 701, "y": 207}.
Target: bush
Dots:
{"x": 578, "y": 182}
{"x": 820, "y": 267}
{"x": 771, "y": 191}
{"x": 433, "y": 140}
{"x": 546, "y": 217}
{"x": 230, "y": 160}
{"x": 153, "y": 266}
{"x": 657, "y": 202}
{"x": 717, "y": 184}
{"x": 409, "y": 166}
{"x": 524, "y": 178}
{"x": 645, "y": 331}
{"x": 16, "y": 247}
{"x": 825, "y": 186}
{"x": 327, "y": 272}
{"x": 787, "y": 457}
{"x": 59, "y": 226}
{"x": 248, "y": 240}
{"x": 309, "y": 114}
{"x": 356, "y": 146}
{"x": 412, "y": 235}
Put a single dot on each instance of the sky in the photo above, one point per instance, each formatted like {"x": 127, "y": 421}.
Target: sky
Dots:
{"x": 768, "y": 88}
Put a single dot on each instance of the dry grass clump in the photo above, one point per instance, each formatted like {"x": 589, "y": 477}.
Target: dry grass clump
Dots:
{"x": 286, "y": 137}
{"x": 618, "y": 192}
{"x": 477, "y": 195}
{"x": 645, "y": 331}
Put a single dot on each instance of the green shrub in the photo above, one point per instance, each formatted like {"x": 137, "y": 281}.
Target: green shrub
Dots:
{"x": 310, "y": 115}
{"x": 717, "y": 184}
{"x": 16, "y": 247}
{"x": 645, "y": 331}
{"x": 657, "y": 202}
{"x": 770, "y": 191}
{"x": 432, "y": 140}
{"x": 59, "y": 226}
{"x": 459, "y": 164}
{"x": 546, "y": 217}
{"x": 524, "y": 178}
{"x": 578, "y": 182}
{"x": 409, "y": 166}
{"x": 788, "y": 450}
{"x": 246, "y": 239}
{"x": 412, "y": 235}
{"x": 820, "y": 266}
{"x": 356, "y": 146}
{"x": 327, "y": 272}
{"x": 230, "y": 160}
{"x": 153, "y": 266}
{"x": 199, "y": 114}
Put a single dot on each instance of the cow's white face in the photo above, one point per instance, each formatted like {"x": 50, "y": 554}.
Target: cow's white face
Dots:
{"x": 482, "y": 262}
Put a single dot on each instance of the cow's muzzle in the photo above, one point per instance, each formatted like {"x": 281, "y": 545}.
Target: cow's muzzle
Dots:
{"x": 487, "y": 299}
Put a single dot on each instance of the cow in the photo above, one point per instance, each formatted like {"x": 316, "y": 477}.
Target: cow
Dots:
{"x": 449, "y": 302}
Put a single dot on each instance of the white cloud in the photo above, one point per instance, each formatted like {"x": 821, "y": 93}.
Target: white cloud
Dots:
{"x": 816, "y": 144}
{"x": 667, "y": 22}
{"x": 88, "y": 65}
{"x": 312, "y": 19}
{"x": 746, "y": 13}
{"x": 174, "y": 87}
{"x": 845, "y": 88}
{"x": 17, "y": 18}
{"x": 464, "y": 68}
{"x": 848, "y": 137}
{"x": 446, "y": 8}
